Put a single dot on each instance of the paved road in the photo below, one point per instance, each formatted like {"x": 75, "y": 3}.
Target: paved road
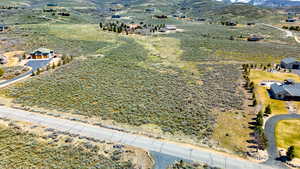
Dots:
{"x": 270, "y": 134}
{"x": 178, "y": 150}
{"x": 34, "y": 64}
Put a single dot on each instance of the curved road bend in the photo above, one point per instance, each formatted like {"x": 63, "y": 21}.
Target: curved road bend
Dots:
{"x": 34, "y": 64}
{"x": 270, "y": 134}
{"x": 212, "y": 158}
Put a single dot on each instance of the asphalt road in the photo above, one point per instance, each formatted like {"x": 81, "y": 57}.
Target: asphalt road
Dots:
{"x": 212, "y": 158}
{"x": 270, "y": 134}
{"x": 34, "y": 64}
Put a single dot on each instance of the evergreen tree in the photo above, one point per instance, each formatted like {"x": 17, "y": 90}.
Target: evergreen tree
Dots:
{"x": 290, "y": 154}
{"x": 268, "y": 110}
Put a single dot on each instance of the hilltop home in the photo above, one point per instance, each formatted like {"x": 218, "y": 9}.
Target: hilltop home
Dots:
{"x": 42, "y": 53}
{"x": 289, "y": 90}
{"x": 171, "y": 27}
{"x": 290, "y": 63}
{"x": 254, "y": 38}
{"x": 3, "y": 27}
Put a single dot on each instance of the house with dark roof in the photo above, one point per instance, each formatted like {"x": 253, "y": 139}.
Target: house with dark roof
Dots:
{"x": 290, "y": 63}
{"x": 3, "y": 27}
{"x": 288, "y": 90}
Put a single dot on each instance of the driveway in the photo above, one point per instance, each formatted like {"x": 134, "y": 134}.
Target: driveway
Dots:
{"x": 34, "y": 64}
{"x": 183, "y": 151}
{"x": 287, "y": 32}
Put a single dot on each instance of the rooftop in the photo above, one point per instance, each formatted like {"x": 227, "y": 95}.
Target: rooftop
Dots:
{"x": 289, "y": 60}
{"x": 293, "y": 89}
{"x": 42, "y": 50}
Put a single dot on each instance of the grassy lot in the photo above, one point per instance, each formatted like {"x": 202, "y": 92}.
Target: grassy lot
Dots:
{"x": 24, "y": 150}
{"x": 287, "y": 134}
{"x": 234, "y": 136}
{"x": 257, "y": 76}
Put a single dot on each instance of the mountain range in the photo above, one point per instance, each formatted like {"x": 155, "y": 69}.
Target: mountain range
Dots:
{"x": 268, "y": 3}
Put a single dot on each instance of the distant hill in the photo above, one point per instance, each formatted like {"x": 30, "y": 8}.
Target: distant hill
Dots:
{"x": 268, "y": 3}
{"x": 191, "y": 8}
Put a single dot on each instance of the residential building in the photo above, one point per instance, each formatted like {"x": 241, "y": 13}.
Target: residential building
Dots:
{"x": 42, "y": 53}
{"x": 290, "y": 63}
{"x": 289, "y": 90}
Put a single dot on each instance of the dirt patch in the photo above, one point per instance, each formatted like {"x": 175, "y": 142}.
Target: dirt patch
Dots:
{"x": 13, "y": 57}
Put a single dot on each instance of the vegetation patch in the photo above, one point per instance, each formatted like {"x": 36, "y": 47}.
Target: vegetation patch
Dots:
{"x": 24, "y": 150}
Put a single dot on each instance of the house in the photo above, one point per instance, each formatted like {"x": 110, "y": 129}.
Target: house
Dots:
{"x": 290, "y": 63}
{"x": 3, "y": 27}
{"x": 290, "y": 20}
{"x": 201, "y": 19}
{"x": 42, "y": 53}
{"x": 288, "y": 90}
{"x": 115, "y": 16}
{"x": 134, "y": 26}
{"x": 3, "y": 60}
{"x": 149, "y": 9}
{"x": 170, "y": 27}
{"x": 250, "y": 23}
{"x": 254, "y": 38}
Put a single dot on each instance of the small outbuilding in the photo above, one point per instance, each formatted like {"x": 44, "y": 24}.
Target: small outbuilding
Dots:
{"x": 42, "y": 53}
{"x": 290, "y": 63}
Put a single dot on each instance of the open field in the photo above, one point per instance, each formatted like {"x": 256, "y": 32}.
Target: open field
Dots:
{"x": 257, "y": 76}
{"x": 287, "y": 134}
{"x": 136, "y": 82}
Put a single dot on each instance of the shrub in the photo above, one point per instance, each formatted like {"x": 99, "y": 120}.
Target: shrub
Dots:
{"x": 1, "y": 72}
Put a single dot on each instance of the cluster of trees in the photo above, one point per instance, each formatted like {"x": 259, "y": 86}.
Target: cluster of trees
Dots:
{"x": 9, "y": 7}
{"x": 260, "y": 137}
{"x": 292, "y": 28}
{"x": 64, "y": 60}
{"x": 119, "y": 27}
{"x": 290, "y": 154}
{"x": 262, "y": 141}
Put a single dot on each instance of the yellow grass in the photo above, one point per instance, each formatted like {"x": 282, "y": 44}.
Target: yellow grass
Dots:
{"x": 234, "y": 136}
{"x": 287, "y": 134}
{"x": 257, "y": 76}
{"x": 12, "y": 57}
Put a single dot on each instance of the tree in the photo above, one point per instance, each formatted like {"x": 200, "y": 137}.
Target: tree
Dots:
{"x": 263, "y": 141}
{"x": 100, "y": 25}
{"x": 268, "y": 110}
{"x": 1, "y": 72}
{"x": 38, "y": 71}
{"x": 254, "y": 102}
{"x": 290, "y": 154}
